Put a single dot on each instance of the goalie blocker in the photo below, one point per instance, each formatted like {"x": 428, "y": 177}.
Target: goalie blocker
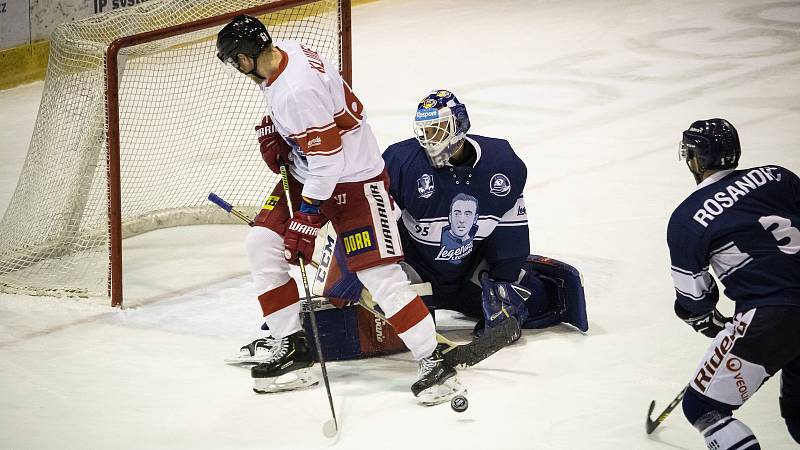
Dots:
{"x": 350, "y": 332}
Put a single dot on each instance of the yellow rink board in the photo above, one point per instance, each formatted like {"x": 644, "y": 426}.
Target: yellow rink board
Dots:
{"x": 27, "y": 63}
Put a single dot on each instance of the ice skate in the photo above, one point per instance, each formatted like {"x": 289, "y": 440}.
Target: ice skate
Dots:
{"x": 256, "y": 352}
{"x": 438, "y": 381}
{"x": 288, "y": 368}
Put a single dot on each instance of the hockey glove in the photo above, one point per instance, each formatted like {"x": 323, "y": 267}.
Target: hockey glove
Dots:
{"x": 501, "y": 300}
{"x": 709, "y": 324}
{"x": 274, "y": 148}
{"x": 301, "y": 233}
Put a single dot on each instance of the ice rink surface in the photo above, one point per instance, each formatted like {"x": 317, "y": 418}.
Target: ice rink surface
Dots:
{"x": 593, "y": 95}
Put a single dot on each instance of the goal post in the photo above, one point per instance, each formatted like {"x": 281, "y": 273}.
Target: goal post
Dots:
{"x": 138, "y": 122}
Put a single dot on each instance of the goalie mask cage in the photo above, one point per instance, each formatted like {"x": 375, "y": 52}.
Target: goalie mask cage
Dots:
{"x": 138, "y": 122}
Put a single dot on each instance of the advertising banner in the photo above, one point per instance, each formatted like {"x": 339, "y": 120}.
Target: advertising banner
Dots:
{"x": 14, "y": 23}
{"x": 47, "y": 14}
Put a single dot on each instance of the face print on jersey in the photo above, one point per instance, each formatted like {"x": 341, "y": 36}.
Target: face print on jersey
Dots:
{"x": 457, "y": 237}
{"x": 462, "y": 217}
{"x": 425, "y": 186}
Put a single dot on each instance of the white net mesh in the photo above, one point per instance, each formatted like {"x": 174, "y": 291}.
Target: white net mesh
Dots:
{"x": 186, "y": 129}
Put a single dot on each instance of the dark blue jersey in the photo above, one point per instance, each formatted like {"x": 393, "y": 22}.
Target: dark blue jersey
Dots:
{"x": 743, "y": 224}
{"x": 453, "y": 217}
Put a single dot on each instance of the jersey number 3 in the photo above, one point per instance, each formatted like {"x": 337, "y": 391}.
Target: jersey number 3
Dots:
{"x": 781, "y": 228}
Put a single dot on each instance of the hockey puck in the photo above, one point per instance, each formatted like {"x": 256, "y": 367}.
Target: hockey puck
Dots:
{"x": 459, "y": 403}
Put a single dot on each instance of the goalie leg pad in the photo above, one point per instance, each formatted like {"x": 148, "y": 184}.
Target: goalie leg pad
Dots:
{"x": 333, "y": 279}
{"x": 563, "y": 287}
{"x": 404, "y": 309}
{"x": 353, "y": 333}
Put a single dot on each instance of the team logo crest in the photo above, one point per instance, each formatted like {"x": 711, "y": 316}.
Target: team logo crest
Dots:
{"x": 499, "y": 185}
{"x": 425, "y": 186}
{"x": 428, "y": 103}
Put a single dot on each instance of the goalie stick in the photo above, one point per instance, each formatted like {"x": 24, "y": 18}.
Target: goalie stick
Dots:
{"x": 468, "y": 354}
{"x": 651, "y": 424}
{"x": 464, "y": 355}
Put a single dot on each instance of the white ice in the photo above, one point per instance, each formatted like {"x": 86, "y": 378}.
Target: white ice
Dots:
{"x": 593, "y": 95}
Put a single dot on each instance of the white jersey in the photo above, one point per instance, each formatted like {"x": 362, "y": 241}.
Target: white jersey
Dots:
{"x": 314, "y": 109}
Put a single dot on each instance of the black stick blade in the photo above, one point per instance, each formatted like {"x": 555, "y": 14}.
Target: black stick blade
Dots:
{"x": 485, "y": 346}
{"x": 650, "y": 426}
{"x": 653, "y": 424}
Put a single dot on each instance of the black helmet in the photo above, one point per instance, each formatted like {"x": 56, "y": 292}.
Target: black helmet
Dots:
{"x": 715, "y": 142}
{"x": 246, "y": 35}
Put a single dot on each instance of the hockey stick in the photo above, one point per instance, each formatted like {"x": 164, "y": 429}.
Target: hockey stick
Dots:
{"x": 326, "y": 428}
{"x": 651, "y": 424}
{"x": 455, "y": 354}
{"x": 217, "y": 200}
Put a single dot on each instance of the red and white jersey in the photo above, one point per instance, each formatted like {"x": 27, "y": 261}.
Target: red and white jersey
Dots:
{"x": 318, "y": 114}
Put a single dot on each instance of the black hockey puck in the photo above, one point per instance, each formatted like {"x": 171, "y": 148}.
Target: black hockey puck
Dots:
{"x": 459, "y": 403}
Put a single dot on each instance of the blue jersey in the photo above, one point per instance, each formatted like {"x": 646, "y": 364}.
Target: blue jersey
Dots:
{"x": 744, "y": 225}
{"x": 453, "y": 217}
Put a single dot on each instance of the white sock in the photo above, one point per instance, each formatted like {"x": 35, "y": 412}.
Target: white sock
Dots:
{"x": 730, "y": 434}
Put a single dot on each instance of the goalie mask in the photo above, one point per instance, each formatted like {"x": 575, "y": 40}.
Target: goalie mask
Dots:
{"x": 440, "y": 125}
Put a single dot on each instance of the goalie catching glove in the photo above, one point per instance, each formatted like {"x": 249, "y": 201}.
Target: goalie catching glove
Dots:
{"x": 501, "y": 300}
{"x": 301, "y": 232}
{"x": 274, "y": 148}
{"x": 709, "y": 324}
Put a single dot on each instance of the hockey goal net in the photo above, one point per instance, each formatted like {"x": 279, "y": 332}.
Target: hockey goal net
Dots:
{"x": 138, "y": 122}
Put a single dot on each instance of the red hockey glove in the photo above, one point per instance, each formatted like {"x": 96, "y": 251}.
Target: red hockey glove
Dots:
{"x": 274, "y": 148}
{"x": 301, "y": 235}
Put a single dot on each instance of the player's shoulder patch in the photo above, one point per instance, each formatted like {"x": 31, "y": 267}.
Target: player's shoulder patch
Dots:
{"x": 499, "y": 185}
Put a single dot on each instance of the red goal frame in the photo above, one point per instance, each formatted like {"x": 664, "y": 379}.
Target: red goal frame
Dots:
{"x": 112, "y": 111}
